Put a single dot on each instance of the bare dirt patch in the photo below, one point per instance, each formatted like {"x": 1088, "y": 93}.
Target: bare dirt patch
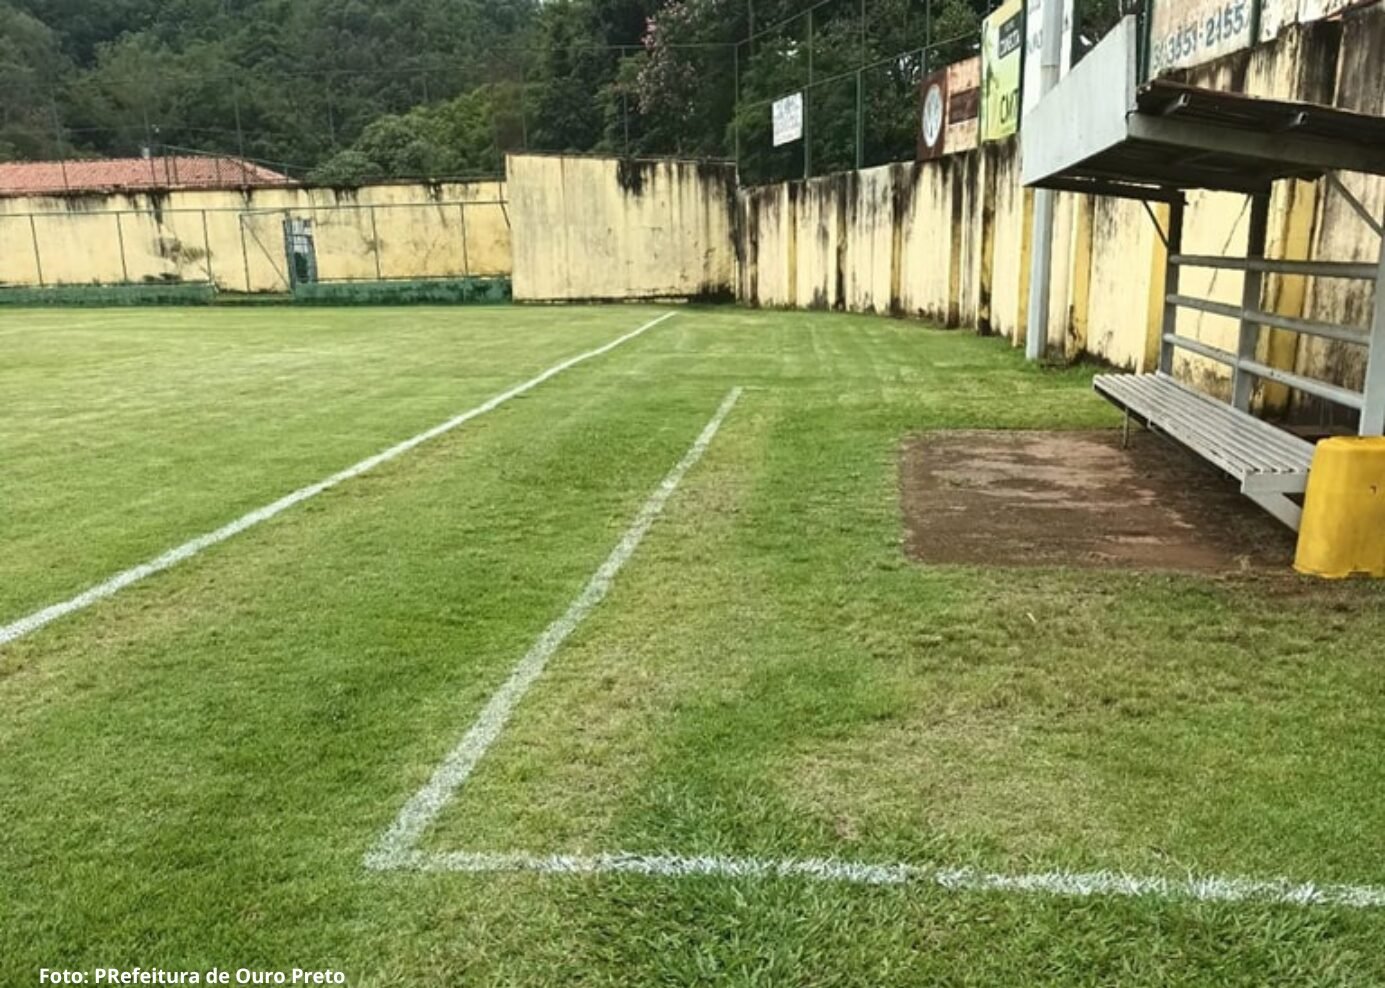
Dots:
{"x": 1078, "y": 499}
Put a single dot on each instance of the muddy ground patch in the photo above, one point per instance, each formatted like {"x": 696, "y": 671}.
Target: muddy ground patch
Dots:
{"x": 1020, "y": 498}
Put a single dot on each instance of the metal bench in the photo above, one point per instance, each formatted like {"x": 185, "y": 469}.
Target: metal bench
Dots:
{"x": 1269, "y": 462}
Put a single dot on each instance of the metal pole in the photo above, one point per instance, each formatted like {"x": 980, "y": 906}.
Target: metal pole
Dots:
{"x": 120, "y": 241}
{"x": 807, "y": 94}
{"x": 58, "y": 142}
{"x": 207, "y": 249}
{"x": 466, "y": 261}
{"x": 1041, "y": 263}
{"x": 523, "y": 110}
{"x": 244, "y": 254}
{"x": 860, "y": 126}
{"x": 240, "y": 134}
{"x": 1373, "y": 407}
{"x": 375, "y": 242}
{"x": 38, "y": 261}
{"x": 1169, "y": 325}
{"x": 860, "y": 98}
{"x": 1242, "y": 383}
{"x": 736, "y": 106}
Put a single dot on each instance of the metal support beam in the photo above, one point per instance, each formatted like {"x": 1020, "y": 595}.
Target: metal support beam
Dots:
{"x": 1311, "y": 269}
{"x": 1298, "y": 150}
{"x": 38, "y": 258}
{"x": 1175, "y": 242}
{"x": 1335, "y": 182}
{"x": 1373, "y": 407}
{"x": 1308, "y": 327}
{"x": 1281, "y": 507}
{"x": 1041, "y": 261}
{"x": 1242, "y": 384}
{"x": 375, "y": 243}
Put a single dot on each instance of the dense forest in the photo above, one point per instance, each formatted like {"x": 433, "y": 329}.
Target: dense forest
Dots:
{"x": 348, "y": 90}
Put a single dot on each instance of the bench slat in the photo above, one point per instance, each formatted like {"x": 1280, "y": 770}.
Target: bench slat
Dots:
{"x": 1261, "y": 456}
{"x": 1256, "y": 445}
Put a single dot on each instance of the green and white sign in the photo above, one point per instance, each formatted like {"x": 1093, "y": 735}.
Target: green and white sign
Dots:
{"x": 1002, "y": 47}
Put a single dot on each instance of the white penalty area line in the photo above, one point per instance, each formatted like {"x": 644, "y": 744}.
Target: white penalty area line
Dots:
{"x": 1277, "y": 891}
{"x": 32, "y": 622}
{"x": 395, "y": 847}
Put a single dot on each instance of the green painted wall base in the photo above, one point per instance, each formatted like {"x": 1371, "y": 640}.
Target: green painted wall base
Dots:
{"x": 172, "y": 293}
{"x": 441, "y": 291}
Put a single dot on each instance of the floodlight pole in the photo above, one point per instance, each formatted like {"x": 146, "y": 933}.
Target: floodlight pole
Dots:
{"x": 1041, "y": 263}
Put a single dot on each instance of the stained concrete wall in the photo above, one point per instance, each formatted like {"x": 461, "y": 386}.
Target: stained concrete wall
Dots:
{"x": 903, "y": 239}
{"x": 235, "y": 238}
{"x": 610, "y": 228}
{"x": 948, "y": 240}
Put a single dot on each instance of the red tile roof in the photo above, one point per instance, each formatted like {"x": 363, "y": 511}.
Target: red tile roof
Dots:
{"x": 137, "y": 174}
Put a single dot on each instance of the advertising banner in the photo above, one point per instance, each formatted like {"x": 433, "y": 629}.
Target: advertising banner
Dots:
{"x": 1002, "y": 47}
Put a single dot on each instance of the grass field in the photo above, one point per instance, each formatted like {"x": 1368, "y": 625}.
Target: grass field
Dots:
{"x": 194, "y": 770}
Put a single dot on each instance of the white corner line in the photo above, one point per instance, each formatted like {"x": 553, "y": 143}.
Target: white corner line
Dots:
{"x": 1211, "y": 888}
{"x": 425, "y": 805}
{"x": 32, "y": 622}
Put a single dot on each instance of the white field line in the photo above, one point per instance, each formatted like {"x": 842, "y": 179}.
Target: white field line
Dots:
{"x": 397, "y": 843}
{"x": 1211, "y": 888}
{"x": 32, "y": 622}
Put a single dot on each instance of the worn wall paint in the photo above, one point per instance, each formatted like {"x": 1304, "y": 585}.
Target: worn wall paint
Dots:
{"x": 591, "y": 228}
{"x": 236, "y": 237}
{"x": 954, "y": 245}
{"x": 1341, "y": 234}
{"x": 905, "y": 239}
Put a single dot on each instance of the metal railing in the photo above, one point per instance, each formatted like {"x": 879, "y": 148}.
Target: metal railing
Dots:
{"x": 1369, "y": 401}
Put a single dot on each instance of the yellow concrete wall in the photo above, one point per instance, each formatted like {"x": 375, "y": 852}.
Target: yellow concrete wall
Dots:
{"x": 1340, "y": 233}
{"x": 927, "y": 274}
{"x": 903, "y": 238}
{"x": 1118, "y": 306}
{"x": 593, "y": 228}
{"x": 1009, "y": 263}
{"x": 236, "y": 238}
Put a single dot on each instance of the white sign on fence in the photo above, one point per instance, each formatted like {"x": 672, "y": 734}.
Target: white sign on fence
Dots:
{"x": 788, "y": 119}
{"x": 1034, "y": 46}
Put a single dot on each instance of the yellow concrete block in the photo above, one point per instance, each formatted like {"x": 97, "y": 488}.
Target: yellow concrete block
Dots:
{"x": 1343, "y": 529}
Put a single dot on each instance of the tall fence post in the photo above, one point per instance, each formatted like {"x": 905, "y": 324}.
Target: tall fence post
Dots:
{"x": 1248, "y": 338}
{"x": 807, "y": 98}
{"x": 860, "y": 99}
{"x": 736, "y": 105}
{"x": 860, "y": 123}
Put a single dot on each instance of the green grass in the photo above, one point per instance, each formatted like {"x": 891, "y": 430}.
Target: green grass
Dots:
{"x": 191, "y": 771}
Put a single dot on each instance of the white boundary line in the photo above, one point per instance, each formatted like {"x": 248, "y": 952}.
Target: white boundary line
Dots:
{"x": 396, "y": 850}
{"x": 1279, "y": 891}
{"x": 32, "y": 622}
{"x": 424, "y": 806}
